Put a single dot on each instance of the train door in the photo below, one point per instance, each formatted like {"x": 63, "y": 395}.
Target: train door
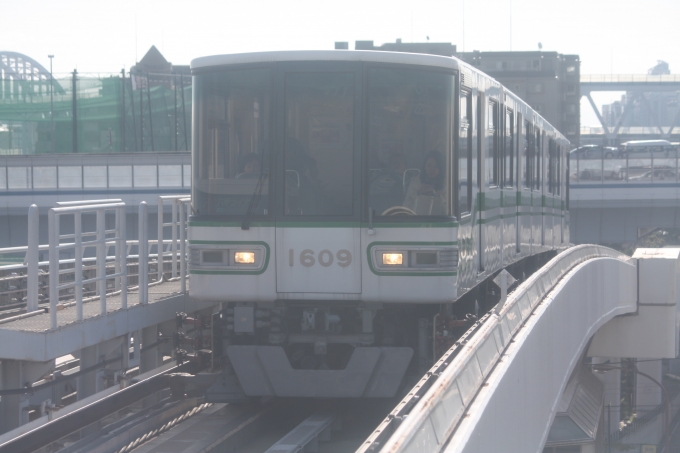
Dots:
{"x": 491, "y": 212}
{"x": 565, "y": 196}
{"x": 518, "y": 172}
{"x": 509, "y": 192}
{"x": 526, "y": 191}
{"x": 317, "y": 227}
{"x": 478, "y": 163}
{"x": 537, "y": 194}
{"x": 466, "y": 248}
{"x": 549, "y": 223}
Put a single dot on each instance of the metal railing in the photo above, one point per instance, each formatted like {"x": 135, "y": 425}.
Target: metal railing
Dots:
{"x": 629, "y": 78}
{"x": 452, "y": 383}
{"x": 657, "y": 168}
{"x": 181, "y": 204}
{"x": 100, "y": 242}
{"x": 100, "y": 262}
{"x": 14, "y": 277}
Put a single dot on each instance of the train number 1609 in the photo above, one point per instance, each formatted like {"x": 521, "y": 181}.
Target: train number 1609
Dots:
{"x": 342, "y": 258}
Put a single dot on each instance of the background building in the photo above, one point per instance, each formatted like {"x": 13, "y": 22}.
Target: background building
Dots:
{"x": 547, "y": 81}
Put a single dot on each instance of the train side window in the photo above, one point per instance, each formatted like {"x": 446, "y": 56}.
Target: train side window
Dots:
{"x": 465, "y": 155}
{"x": 567, "y": 164}
{"x": 558, "y": 172}
{"x": 528, "y": 155}
{"x": 538, "y": 152}
{"x": 476, "y": 127}
{"x": 551, "y": 166}
{"x": 493, "y": 158}
{"x": 508, "y": 151}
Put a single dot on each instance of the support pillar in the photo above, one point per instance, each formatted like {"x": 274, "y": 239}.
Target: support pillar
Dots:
{"x": 612, "y": 395}
{"x": 11, "y": 407}
{"x": 150, "y": 358}
{"x": 648, "y": 394}
{"x": 87, "y": 383}
{"x": 674, "y": 366}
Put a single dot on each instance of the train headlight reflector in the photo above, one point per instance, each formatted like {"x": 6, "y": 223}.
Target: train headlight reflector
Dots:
{"x": 244, "y": 257}
{"x": 393, "y": 259}
{"x": 212, "y": 256}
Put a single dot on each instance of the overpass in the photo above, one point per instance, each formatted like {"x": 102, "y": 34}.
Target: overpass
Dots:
{"x": 613, "y": 199}
{"x": 44, "y": 179}
{"x": 637, "y": 85}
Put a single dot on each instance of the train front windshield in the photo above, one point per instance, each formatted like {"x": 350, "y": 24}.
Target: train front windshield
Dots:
{"x": 308, "y": 155}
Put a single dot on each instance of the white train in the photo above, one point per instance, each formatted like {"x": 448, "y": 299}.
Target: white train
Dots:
{"x": 345, "y": 201}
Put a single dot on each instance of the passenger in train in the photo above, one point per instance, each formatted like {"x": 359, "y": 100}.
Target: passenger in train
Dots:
{"x": 250, "y": 166}
{"x": 426, "y": 193}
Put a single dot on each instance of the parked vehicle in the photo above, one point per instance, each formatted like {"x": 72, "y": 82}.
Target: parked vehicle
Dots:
{"x": 647, "y": 148}
{"x": 594, "y": 152}
{"x": 658, "y": 174}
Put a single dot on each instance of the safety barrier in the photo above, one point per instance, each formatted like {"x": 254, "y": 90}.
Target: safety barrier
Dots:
{"x": 178, "y": 225}
{"x": 430, "y": 413}
{"x": 112, "y": 252}
{"x": 100, "y": 241}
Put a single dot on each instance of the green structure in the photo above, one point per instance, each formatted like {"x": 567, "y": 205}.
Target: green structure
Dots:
{"x": 81, "y": 113}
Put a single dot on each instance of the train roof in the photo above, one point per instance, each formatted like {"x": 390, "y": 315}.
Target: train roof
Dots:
{"x": 328, "y": 55}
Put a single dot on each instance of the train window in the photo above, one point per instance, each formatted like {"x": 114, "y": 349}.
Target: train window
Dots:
{"x": 558, "y": 171}
{"x": 551, "y": 166}
{"x": 231, "y": 163}
{"x": 528, "y": 154}
{"x": 464, "y": 156}
{"x": 319, "y": 145}
{"x": 493, "y": 157}
{"x": 478, "y": 133}
{"x": 538, "y": 153}
{"x": 508, "y": 150}
{"x": 410, "y": 142}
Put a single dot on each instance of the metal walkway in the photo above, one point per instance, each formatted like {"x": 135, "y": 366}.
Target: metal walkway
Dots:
{"x": 108, "y": 303}
{"x": 40, "y": 342}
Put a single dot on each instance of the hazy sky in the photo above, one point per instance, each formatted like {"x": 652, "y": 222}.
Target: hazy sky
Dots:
{"x": 94, "y": 36}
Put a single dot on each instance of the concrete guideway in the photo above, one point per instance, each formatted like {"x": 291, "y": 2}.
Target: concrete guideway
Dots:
{"x": 501, "y": 392}
{"x": 519, "y": 401}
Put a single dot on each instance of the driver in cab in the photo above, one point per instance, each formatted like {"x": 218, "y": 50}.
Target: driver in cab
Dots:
{"x": 426, "y": 193}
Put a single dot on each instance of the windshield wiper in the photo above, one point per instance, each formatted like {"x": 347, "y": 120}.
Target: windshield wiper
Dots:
{"x": 254, "y": 201}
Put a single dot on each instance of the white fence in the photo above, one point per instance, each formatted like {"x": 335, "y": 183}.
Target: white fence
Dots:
{"x": 112, "y": 252}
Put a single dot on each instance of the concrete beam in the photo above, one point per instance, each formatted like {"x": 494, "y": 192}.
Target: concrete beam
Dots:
{"x": 652, "y": 332}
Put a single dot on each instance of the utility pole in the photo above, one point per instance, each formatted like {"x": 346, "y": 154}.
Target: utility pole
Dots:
{"x": 75, "y": 111}
{"x": 51, "y": 103}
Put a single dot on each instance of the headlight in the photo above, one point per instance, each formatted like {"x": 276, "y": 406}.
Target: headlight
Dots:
{"x": 392, "y": 259}
{"x": 413, "y": 258}
{"x": 244, "y": 257}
